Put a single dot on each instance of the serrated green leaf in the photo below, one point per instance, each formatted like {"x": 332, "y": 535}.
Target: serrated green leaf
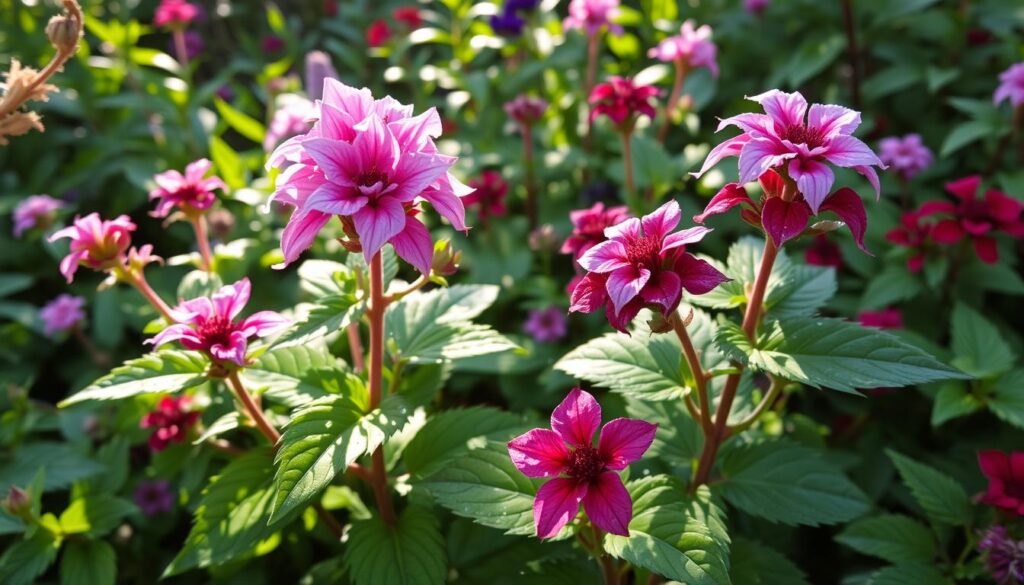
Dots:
{"x": 290, "y": 375}
{"x": 199, "y": 283}
{"x": 788, "y": 483}
{"x": 756, "y": 564}
{"x": 452, "y": 433}
{"x": 28, "y": 558}
{"x": 977, "y": 344}
{"x": 226, "y": 422}
{"x": 94, "y": 515}
{"x": 892, "y": 285}
{"x": 964, "y": 134}
{"x": 1007, "y": 398}
{"x": 943, "y": 499}
{"x": 953, "y": 401}
{"x": 55, "y": 465}
{"x": 324, "y": 278}
{"x": 168, "y": 370}
{"x": 891, "y": 537}
{"x": 410, "y": 553}
{"x": 904, "y": 574}
{"x": 678, "y": 439}
{"x": 88, "y": 562}
{"x": 328, "y": 315}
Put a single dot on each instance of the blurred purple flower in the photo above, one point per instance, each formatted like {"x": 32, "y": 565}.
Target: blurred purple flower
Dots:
{"x": 521, "y": 5}
{"x": 171, "y": 422}
{"x": 1011, "y": 86}
{"x": 62, "y": 314}
{"x": 194, "y": 44}
{"x": 756, "y": 6}
{"x": 36, "y": 211}
{"x": 225, "y": 93}
{"x": 1004, "y": 556}
{"x": 507, "y": 24}
{"x": 154, "y": 496}
{"x": 271, "y": 44}
{"x": 588, "y": 226}
{"x": 318, "y": 68}
{"x": 292, "y": 118}
{"x": 546, "y": 325}
{"x": 525, "y": 109}
{"x": 907, "y": 156}
{"x": 692, "y": 47}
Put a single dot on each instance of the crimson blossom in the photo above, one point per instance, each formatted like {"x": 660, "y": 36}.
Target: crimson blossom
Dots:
{"x": 976, "y": 218}
{"x": 588, "y": 227}
{"x": 622, "y": 100}
{"x": 1005, "y": 473}
{"x": 192, "y": 192}
{"x": 171, "y": 422}
{"x": 175, "y": 13}
{"x": 489, "y": 196}
{"x": 915, "y": 235}
{"x": 642, "y": 263}
{"x": 581, "y": 473}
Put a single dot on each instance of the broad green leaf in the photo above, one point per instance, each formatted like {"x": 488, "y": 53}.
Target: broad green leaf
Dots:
{"x": 88, "y": 562}
{"x": 943, "y": 499}
{"x": 12, "y": 282}
{"x": 356, "y": 262}
{"x": 323, "y": 438}
{"x": 804, "y": 290}
{"x": 168, "y": 370}
{"x": 228, "y": 422}
{"x": 953, "y": 401}
{"x": 57, "y": 465}
{"x": 94, "y": 515}
{"x": 977, "y": 344}
{"x": 682, "y": 540}
{"x": 788, "y": 483}
{"x": 323, "y": 278}
{"x": 812, "y": 57}
{"x": 242, "y": 123}
{"x": 891, "y": 537}
{"x": 410, "y": 553}
{"x": 290, "y": 375}
{"x": 9, "y": 524}
{"x": 964, "y": 134}
{"x": 907, "y": 573}
{"x": 455, "y": 304}
{"x": 1007, "y": 398}
{"x": 678, "y": 439}
{"x": 452, "y": 433}
{"x": 892, "y": 285}
{"x": 229, "y": 165}
{"x": 756, "y": 564}
{"x": 26, "y": 559}
{"x": 328, "y": 315}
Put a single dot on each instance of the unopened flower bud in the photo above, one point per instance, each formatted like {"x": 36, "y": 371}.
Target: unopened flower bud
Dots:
{"x": 544, "y": 239}
{"x": 446, "y": 259}
{"x": 64, "y": 32}
{"x": 18, "y": 503}
{"x": 659, "y": 324}
{"x": 824, "y": 226}
{"x": 221, "y": 224}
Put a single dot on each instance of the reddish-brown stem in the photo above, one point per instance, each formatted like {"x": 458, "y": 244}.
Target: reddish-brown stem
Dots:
{"x": 673, "y": 99}
{"x": 180, "y": 47}
{"x": 532, "y": 212}
{"x": 700, "y": 377}
{"x": 852, "y": 51}
{"x": 361, "y": 472}
{"x": 138, "y": 280}
{"x": 253, "y": 410}
{"x": 355, "y": 346}
{"x": 375, "y": 312}
{"x": 203, "y": 241}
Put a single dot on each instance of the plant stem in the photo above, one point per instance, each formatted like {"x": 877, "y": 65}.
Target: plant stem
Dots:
{"x": 98, "y": 356}
{"x": 203, "y": 241}
{"x": 138, "y": 280}
{"x": 593, "y": 56}
{"x": 853, "y": 52}
{"x": 531, "y": 179}
{"x": 355, "y": 345}
{"x": 180, "y": 47}
{"x": 611, "y": 576}
{"x": 627, "y": 161}
{"x": 766, "y": 401}
{"x": 699, "y": 375}
{"x": 673, "y": 99}
{"x": 253, "y": 410}
{"x": 375, "y": 312}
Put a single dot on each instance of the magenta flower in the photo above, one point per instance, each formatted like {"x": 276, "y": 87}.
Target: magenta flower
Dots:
{"x": 692, "y": 47}
{"x": 588, "y": 227}
{"x": 1004, "y": 556}
{"x": 643, "y": 264}
{"x": 593, "y": 15}
{"x": 489, "y": 195}
{"x": 175, "y": 13}
{"x": 1005, "y": 473}
{"x": 192, "y": 193}
{"x": 823, "y": 252}
{"x": 756, "y": 6}
{"x": 914, "y": 235}
{"x": 36, "y": 211}
{"x": 546, "y": 325}
{"x": 209, "y": 324}
{"x": 62, "y": 314}
{"x": 96, "y": 243}
{"x": 887, "y": 318}
{"x": 582, "y": 473}
{"x": 1011, "y": 86}
{"x": 291, "y": 119}
{"x": 781, "y": 138}
{"x": 154, "y": 497}
{"x": 525, "y": 109}
{"x": 620, "y": 99}
{"x": 171, "y": 422}
{"x": 908, "y": 155}
{"x": 976, "y": 218}
{"x": 369, "y": 162}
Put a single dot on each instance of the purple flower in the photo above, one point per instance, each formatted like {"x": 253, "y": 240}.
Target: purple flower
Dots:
{"x": 291, "y": 119}
{"x": 1004, "y": 556}
{"x": 318, "y": 69}
{"x": 782, "y": 138}
{"x": 507, "y": 24}
{"x": 271, "y": 44}
{"x": 194, "y": 44}
{"x": 154, "y": 497}
{"x": 36, "y": 211}
{"x": 756, "y": 6}
{"x": 582, "y": 473}
{"x": 692, "y": 47}
{"x": 192, "y": 193}
{"x": 525, "y": 109}
{"x": 908, "y": 156}
{"x": 97, "y": 243}
{"x": 209, "y": 324}
{"x": 62, "y": 314}
{"x": 593, "y": 15}
{"x": 521, "y": 5}
{"x": 546, "y": 325}
{"x": 1011, "y": 86}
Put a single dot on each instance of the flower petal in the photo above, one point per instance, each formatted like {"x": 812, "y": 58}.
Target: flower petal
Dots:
{"x": 684, "y": 237}
{"x": 628, "y": 228}
{"x": 446, "y": 198}
{"x": 415, "y": 172}
{"x": 414, "y": 245}
{"x": 850, "y": 208}
{"x": 626, "y": 283}
{"x": 813, "y": 179}
{"x": 604, "y": 257}
{"x": 759, "y": 155}
{"x": 335, "y": 199}
{"x": 299, "y": 234}
{"x": 728, "y": 197}
{"x": 872, "y": 178}
{"x": 847, "y": 151}
{"x": 786, "y": 109}
{"x": 589, "y": 294}
{"x": 170, "y": 333}
{"x": 624, "y": 440}
{"x": 784, "y": 220}
{"x": 664, "y": 289}
{"x": 947, "y": 231}
{"x": 263, "y": 323}
{"x": 994, "y": 464}
{"x": 985, "y": 248}
{"x": 730, "y": 147}
{"x": 379, "y": 223}
{"x": 608, "y": 504}
{"x": 556, "y": 504}
{"x": 539, "y": 453}
{"x": 698, "y": 276}
{"x": 965, "y": 189}
{"x": 830, "y": 119}
{"x": 661, "y": 221}
{"x": 576, "y": 419}
{"x": 229, "y": 301}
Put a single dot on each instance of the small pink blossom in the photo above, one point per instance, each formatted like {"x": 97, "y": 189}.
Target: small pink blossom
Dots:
{"x": 210, "y": 324}
{"x": 887, "y": 318}
{"x": 621, "y": 100}
{"x": 692, "y": 47}
{"x": 976, "y": 218}
{"x": 588, "y": 227}
{"x": 1005, "y": 474}
{"x": 591, "y": 16}
{"x": 489, "y": 195}
{"x": 756, "y": 6}
{"x": 1003, "y": 556}
{"x": 192, "y": 193}
{"x": 291, "y": 119}
{"x": 154, "y": 497}
{"x": 1011, "y": 86}
{"x": 546, "y": 325}
{"x": 798, "y": 142}
{"x": 525, "y": 109}
{"x": 907, "y": 156}
{"x": 643, "y": 264}
{"x": 171, "y": 422}
{"x": 96, "y": 243}
{"x": 175, "y": 13}
{"x": 582, "y": 474}
{"x": 62, "y": 314}
{"x": 36, "y": 211}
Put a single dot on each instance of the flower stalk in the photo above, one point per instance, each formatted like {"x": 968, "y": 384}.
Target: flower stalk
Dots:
{"x": 137, "y": 280}
{"x": 529, "y": 165}
{"x": 673, "y": 99}
{"x": 375, "y": 313}
{"x": 203, "y": 241}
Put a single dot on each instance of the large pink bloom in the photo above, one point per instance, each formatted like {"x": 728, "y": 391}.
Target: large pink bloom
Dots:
{"x": 643, "y": 264}
{"x": 692, "y": 46}
{"x": 1011, "y": 86}
{"x": 782, "y": 138}
{"x": 976, "y": 218}
{"x": 1005, "y": 473}
{"x": 369, "y": 161}
{"x": 209, "y": 324}
{"x": 582, "y": 473}
{"x": 593, "y": 15}
{"x": 96, "y": 243}
{"x": 192, "y": 192}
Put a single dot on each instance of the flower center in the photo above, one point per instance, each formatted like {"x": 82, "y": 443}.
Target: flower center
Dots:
{"x": 216, "y": 330}
{"x": 644, "y": 251}
{"x": 585, "y": 464}
{"x": 371, "y": 177}
{"x": 800, "y": 134}
{"x": 974, "y": 210}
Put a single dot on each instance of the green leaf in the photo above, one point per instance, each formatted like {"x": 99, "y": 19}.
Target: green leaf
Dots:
{"x": 953, "y": 401}
{"x": 94, "y": 515}
{"x": 57, "y": 465}
{"x": 323, "y": 438}
{"x": 977, "y": 344}
{"x": 452, "y": 433}
{"x": 1007, "y": 398}
{"x": 756, "y": 564}
{"x": 323, "y": 278}
{"x": 168, "y": 370}
{"x": 12, "y": 282}
{"x": 943, "y": 499}
{"x": 964, "y": 134}
{"x": 482, "y": 484}
{"x": 681, "y": 540}
{"x": 788, "y": 483}
{"x": 812, "y": 57}
{"x": 838, "y": 354}
{"x": 229, "y": 164}
{"x": 891, "y": 537}
{"x": 29, "y": 558}
{"x": 328, "y": 315}
{"x": 226, "y": 422}
{"x": 410, "y": 553}
{"x": 678, "y": 439}
{"x": 88, "y": 562}
{"x": 199, "y": 283}
{"x": 292, "y": 375}
{"x": 916, "y": 573}
{"x": 240, "y": 122}
{"x": 892, "y": 285}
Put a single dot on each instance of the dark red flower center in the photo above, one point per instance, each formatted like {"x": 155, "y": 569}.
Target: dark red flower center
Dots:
{"x": 1014, "y": 489}
{"x": 189, "y": 194}
{"x": 216, "y": 330}
{"x": 585, "y": 464}
{"x": 800, "y": 134}
{"x": 644, "y": 251}
{"x": 372, "y": 177}
{"x": 974, "y": 210}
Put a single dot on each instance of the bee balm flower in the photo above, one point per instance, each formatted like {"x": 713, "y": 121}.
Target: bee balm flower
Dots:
{"x": 171, "y": 422}
{"x": 192, "y": 193}
{"x": 35, "y": 211}
{"x": 976, "y": 218}
{"x": 1005, "y": 473}
{"x": 96, "y": 243}
{"x": 692, "y": 47}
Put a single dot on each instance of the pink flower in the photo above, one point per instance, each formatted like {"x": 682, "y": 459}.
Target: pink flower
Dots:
{"x": 620, "y": 99}
{"x": 175, "y": 13}
{"x": 546, "y": 325}
{"x": 291, "y": 119}
{"x": 36, "y": 211}
{"x": 209, "y": 324}
{"x": 96, "y": 243}
{"x": 1011, "y": 86}
{"x": 914, "y": 235}
{"x": 154, "y": 497}
{"x": 1005, "y": 473}
{"x": 781, "y": 138}
{"x": 1004, "y": 556}
{"x": 692, "y": 47}
{"x": 887, "y": 318}
{"x": 318, "y": 69}
{"x": 907, "y": 156}
{"x": 593, "y": 15}
{"x": 756, "y": 6}
{"x": 526, "y": 110}
{"x": 192, "y": 192}
{"x": 62, "y": 314}
{"x": 975, "y": 218}
{"x": 378, "y": 33}
{"x": 409, "y": 16}
{"x": 823, "y": 252}
{"x": 588, "y": 227}
{"x": 369, "y": 162}
{"x": 489, "y": 196}
{"x": 271, "y": 44}
{"x": 171, "y": 422}
{"x": 643, "y": 264}
{"x": 582, "y": 473}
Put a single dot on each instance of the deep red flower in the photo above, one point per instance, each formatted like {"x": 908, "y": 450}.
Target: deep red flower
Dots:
{"x": 914, "y": 235}
{"x": 409, "y": 16}
{"x": 1005, "y": 473}
{"x": 489, "y": 197}
{"x": 171, "y": 422}
{"x": 976, "y": 218}
{"x": 588, "y": 227}
{"x": 823, "y": 252}
{"x": 378, "y": 33}
{"x": 887, "y": 318}
{"x": 621, "y": 99}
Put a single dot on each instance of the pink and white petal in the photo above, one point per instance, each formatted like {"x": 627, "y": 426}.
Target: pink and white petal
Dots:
{"x": 337, "y": 124}
{"x": 785, "y": 109}
{"x": 872, "y": 177}
{"x": 759, "y": 155}
{"x": 625, "y": 440}
{"x": 340, "y": 162}
{"x": 576, "y": 418}
{"x": 730, "y": 147}
{"x": 661, "y": 221}
{"x": 376, "y": 144}
{"x": 169, "y": 334}
{"x": 604, "y": 257}
{"x": 378, "y": 223}
{"x": 230, "y": 300}
{"x": 589, "y": 294}
{"x": 830, "y": 119}
{"x": 664, "y": 289}
{"x": 847, "y": 204}
{"x": 728, "y": 197}
{"x": 608, "y": 505}
{"x": 415, "y": 172}
{"x": 556, "y": 504}
{"x": 813, "y": 179}
{"x": 414, "y": 133}
{"x": 447, "y": 202}
{"x": 413, "y": 244}
{"x": 751, "y": 123}
{"x": 193, "y": 310}
{"x": 300, "y": 233}
{"x": 539, "y": 453}
{"x": 698, "y": 276}
{"x": 170, "y": 181}
{"x": 263, "y": 323}
{"x": 626, "y": 229}
{"x": 357, "y": 102}
{"x": 212, "y": 184}
{"x": 684, "y": 237}
{"x": 196, "y": 170}
{"x": 69, "y": 264}
{"x": 334, "y": 199}
{"x": 625, "y": 284}
{"x": 70, "y": 231}
{"x": 847, "y": 151}
{"x": 621, "y": 318}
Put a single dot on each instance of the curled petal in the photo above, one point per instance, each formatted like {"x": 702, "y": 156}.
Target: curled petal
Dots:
{"x": 230, "y": 300}
{"x": 965, "y": 189}
{"x": 332, "y": 198}
{"x": 576, "y": 418}
{"x": 872, "y": 177}
{"x": 784, "y": 220}
{"x": 263, "y": 323}
{"x": 759, "y": 155}
{"x": 786, "y": 109}
{"x": 608, "y": 505}
{"x": 556, "y": 504}
{"x": 850, "y": 208}
{"x": 376, "y": 225}
{"x": 414, "y": 245}
{"x": 662, "y": 221}
{"x": 300, "y": 233}
{"x": 728, "y": 197}
{"x": 589, "y": 294}
{"x": 730, "y": 147}
{"x": 664, "y": 289}
{"x": 604, "y": 257}
{"x": 628, "y": 228}
{"x": 625, "y": 440}
{"x": 684, "y": 237}
{"x": 171, "y": 333}
{"x": 621, "y": 318}
{"x": 831, "y": 120}
{"x": 539, "y": 453}
{"x": 847, "y": 151}
{"x": 698, "y": 276}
